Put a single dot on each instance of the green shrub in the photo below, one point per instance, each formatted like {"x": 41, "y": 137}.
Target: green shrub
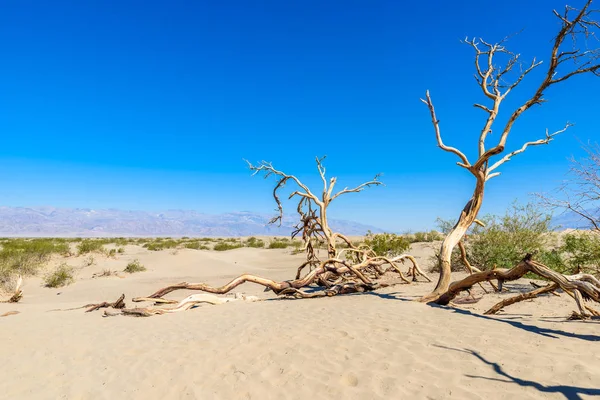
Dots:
{"x": 582, "y": 251}
{"x": 120, "y": 250}
{"x": 61, "y": 276}
{"x": 161, "y": 244}
{"x": 41, "y": 247}
{"x": 278, "y": 244}
{"x": 134, "y": 266}
{"x": 434, "y": 235}
{"x": 195, "y": 246}
{"x": 26, "y": 256}
{"x": 387, "y": 244}
{"x": 503, "y": 241}
{"x": 90, "y": 245}
{"x": 223, "y": 246}
{"x": 254, "y": 242}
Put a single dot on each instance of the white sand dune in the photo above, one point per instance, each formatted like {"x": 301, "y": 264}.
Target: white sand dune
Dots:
{"x": 366, "y": 346}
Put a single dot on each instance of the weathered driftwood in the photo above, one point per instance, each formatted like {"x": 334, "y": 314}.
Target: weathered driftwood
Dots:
{"x": 17, "y": 293}
{"x": 580, "y": 287}
{"x": 6, "y": 314}
{"x": 335, "y": 269}
{"x": 185, "y": 304}
{"x": 118, "y": 304}
{"x": 521, "y": 297}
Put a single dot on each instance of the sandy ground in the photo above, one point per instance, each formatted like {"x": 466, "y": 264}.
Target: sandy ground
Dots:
{"x": 367, "y": 346}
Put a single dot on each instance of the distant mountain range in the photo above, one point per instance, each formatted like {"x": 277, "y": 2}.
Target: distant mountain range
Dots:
{"x": 571, "y": 220}
{"x": 68, "y": 222}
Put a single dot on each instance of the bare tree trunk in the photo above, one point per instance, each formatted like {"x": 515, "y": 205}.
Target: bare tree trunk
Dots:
{"x": 329, "y": 236}
{"x": 467, "y": 216}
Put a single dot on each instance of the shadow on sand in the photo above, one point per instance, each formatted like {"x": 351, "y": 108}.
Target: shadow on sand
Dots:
{"x": 546, "y": 332}
{"x": 569, "y": 392}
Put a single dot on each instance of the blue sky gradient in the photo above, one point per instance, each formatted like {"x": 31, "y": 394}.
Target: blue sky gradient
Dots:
{"x": 152, "y": 105}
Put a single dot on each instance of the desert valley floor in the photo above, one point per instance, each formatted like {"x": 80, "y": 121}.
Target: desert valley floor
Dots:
{"x": 379, "y": 345}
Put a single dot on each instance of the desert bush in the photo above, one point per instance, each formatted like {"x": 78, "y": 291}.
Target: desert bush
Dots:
{"x": 26, "y": 256}
{"x": 88, "y": 261}
{"x": 40, "y": 247}
{"x": 434, "y": 235}
{"x": 161, "y": 244}
{"x": 387, "y": 244}
{"x": 581, "y": 251}
{"x": 134, "y": 266}
{"x": 254, "y": 242}
{"x": 90, "y": 245}
{"x": 278, "y": 244}
{"x": 120, "y": 250}
{"x": 503, "y": 241}
{"x": 419, "y": 237}
{"x": 61, "y": 276}
{"x": 195, "y": 246}
{"x": 223, "y": 246}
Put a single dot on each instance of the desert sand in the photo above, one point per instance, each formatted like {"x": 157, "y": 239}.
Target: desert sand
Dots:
{"x": 380, "y": 345}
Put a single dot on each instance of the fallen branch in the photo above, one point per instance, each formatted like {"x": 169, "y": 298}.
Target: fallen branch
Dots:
{"x": 120, "y": 303}
{"x": 185, "y": 304}
{"x": 6, "y": 314}
{"x": 332, "y": 268}
{"x": 17, "y": 294}
{"x": 521, "y": 297}
{"x": 580, "y": 287}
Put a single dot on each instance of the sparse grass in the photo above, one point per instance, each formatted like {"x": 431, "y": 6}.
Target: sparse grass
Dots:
{"x": 104, "y": 273}
{"x": 120, "y": 250}
{"x": 134, "y": 266}
{"x": 90, "y": 245}
{"x": 112, "y": 253}
{"x": 224, "y": 246}
{"x": 89, "y": 261}
{"x": 26, "y": 256}
{"x": 61, "y": 276}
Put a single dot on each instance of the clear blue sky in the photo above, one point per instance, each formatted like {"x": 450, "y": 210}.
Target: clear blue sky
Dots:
{"x": 152, "y": 105}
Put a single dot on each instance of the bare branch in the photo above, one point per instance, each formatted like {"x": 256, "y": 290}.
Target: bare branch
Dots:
{"x": 359, "y": 188}
{"x": 436, "y": 125}
{"x": 549, "y": 137}
{"x": 580, "y": 194}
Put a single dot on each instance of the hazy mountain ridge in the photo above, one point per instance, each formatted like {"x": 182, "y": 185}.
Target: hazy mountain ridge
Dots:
{"x": 51, "y": 221}
{"x": 571, "y": 220}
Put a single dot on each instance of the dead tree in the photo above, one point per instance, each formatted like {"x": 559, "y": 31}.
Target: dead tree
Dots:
{"x": 566, "y": 60}
{"x": 581, "y": 286}
{"x": 312, "y": 208}
{"x": 313, "y": 227}
{"x": 581, "y": 192}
